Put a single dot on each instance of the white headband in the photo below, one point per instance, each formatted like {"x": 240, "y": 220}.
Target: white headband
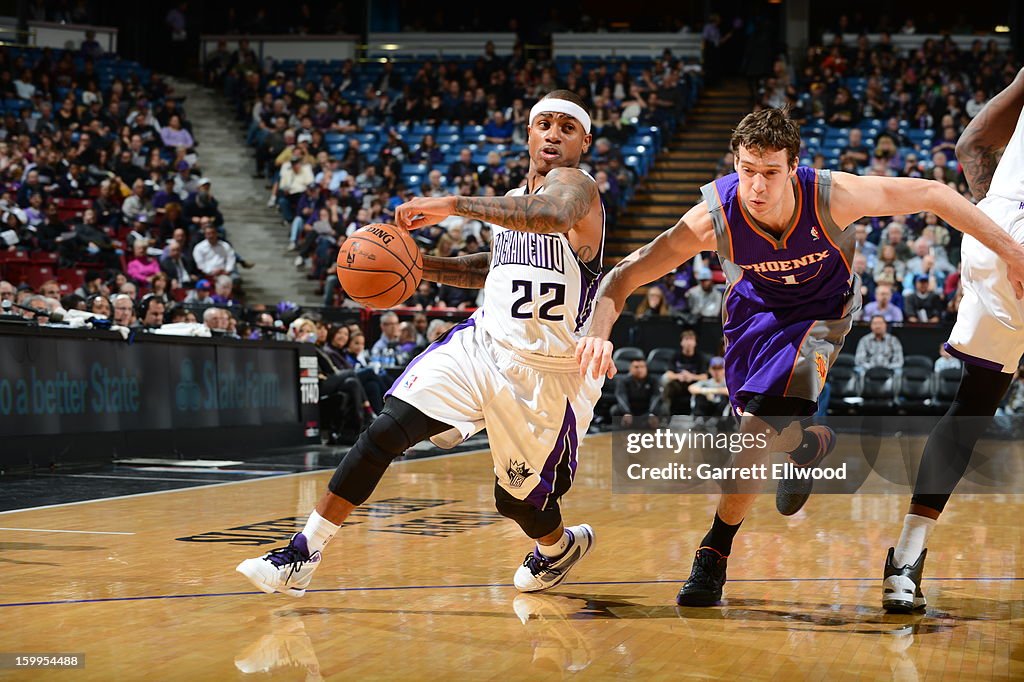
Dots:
{"x": 561, "y": 106}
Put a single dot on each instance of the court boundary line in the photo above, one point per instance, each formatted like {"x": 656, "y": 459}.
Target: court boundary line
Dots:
{"x": 145, "y": 478}
{"x": 341, "y": 590}
{"x": 226, "y": 483}
{"x": 54, "y": 530}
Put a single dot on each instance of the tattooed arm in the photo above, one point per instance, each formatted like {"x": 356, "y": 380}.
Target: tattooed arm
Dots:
{"x": 568, "y": 196}
{"x": 987, "y": 133}
{"x": 465, "y": 272}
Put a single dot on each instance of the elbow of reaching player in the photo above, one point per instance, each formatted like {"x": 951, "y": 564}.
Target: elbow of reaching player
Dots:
{"x": 962, "y": 147}
{"x": 937, "y": 197}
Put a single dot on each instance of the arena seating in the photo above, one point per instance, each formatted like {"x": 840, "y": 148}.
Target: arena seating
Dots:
{"x": 133, "y": 87}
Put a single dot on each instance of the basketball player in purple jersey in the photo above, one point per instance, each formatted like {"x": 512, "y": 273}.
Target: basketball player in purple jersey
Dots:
{"x": 780, "y": 232}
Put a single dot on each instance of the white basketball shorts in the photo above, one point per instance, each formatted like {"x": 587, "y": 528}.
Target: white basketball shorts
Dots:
{"x": 989, "y": 329}
{"x": 536, "y": 409}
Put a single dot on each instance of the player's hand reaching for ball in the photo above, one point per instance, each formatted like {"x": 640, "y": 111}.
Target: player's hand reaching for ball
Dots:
{"x": 595, "y": 356}
{"x": 423, "y": 211}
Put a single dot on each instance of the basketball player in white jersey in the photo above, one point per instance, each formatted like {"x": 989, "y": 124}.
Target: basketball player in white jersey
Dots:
{"x": 988, "y": 337}
{"x": 510, "y": 367}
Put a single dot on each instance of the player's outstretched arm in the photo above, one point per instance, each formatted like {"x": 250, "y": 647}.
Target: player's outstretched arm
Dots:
{"x": 854, "y": 197}
{"x": 692, "y": 234}
{"x": 567, "y": 198}
{"x": 466, "y": 272}
{"x": 987, "y": 133}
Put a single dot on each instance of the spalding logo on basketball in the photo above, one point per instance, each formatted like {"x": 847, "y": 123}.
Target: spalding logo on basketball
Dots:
{"x": 380, "y": 266}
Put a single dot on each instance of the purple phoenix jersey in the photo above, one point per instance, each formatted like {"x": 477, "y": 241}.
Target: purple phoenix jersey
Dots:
{"x": 790, "y": 299}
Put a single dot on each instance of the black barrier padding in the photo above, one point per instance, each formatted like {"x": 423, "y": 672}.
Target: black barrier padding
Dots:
{"x": 80, "y": 395}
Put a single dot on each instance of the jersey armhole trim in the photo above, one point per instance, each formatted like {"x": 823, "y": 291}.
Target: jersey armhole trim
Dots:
{"x": 822, "y": 195}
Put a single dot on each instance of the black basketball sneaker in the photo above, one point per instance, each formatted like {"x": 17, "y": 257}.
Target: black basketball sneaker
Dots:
{"x": 901, "y": 587}
{"x": 704, "y": 586}
{"x": 792, "y": 493}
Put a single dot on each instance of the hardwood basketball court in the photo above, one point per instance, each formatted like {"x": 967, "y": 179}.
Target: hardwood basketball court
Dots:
{"x": 420, "y": 587}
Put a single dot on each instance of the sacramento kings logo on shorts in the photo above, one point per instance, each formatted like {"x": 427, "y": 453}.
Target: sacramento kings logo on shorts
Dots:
{"x": 517, "y": 472}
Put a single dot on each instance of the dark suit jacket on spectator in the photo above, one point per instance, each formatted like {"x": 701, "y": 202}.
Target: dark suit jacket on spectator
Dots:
{"x": 172, "y": 269}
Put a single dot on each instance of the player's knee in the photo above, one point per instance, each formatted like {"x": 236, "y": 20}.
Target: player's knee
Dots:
{"x": 980, "y": 391}
{"x": 363, "y": 466}
{"x": 536, "y": 523}
{"x": 386, "y": 437}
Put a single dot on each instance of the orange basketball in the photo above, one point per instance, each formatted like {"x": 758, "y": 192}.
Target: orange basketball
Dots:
{"x": 380, "y": 266}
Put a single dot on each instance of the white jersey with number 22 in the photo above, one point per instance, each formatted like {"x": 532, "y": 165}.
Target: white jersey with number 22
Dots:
{"x": 538, "y": 296}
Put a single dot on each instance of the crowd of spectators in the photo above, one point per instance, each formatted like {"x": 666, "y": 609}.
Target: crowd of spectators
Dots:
{"x": 102, "y": 198}
{"x": 340, "y": 145}
{"x": 354, "y": 378}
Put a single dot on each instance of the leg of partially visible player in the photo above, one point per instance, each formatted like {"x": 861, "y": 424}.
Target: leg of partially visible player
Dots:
{"x": 946, "y": 457}
{"x": 289, "y": 569}
{"x": 988, "y": 328}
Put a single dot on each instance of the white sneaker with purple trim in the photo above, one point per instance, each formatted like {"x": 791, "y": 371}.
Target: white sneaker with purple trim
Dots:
{"x": 287, "y": 570}
{"x": 539, "y": 572}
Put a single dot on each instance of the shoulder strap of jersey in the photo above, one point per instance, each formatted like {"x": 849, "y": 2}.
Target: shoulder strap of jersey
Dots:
{"x": 718, "y": 219}
{"x": 844, "y": 240}
{"x": 823, "y": 199}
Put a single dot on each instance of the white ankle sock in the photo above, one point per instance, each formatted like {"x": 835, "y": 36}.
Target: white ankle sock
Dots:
{"x": 318, "y": 532}
{"x": 557, "y": 549}
{"x": 913, "y": 539}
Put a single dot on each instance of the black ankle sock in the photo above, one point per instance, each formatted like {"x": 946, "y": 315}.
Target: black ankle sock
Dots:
{"x": 809, "y": 448}
{"x": 719, "y": 538}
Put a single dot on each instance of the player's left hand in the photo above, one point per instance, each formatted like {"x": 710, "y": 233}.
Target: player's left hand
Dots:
{"x": 595, "y": 355}
{"x": 423, "y": 211}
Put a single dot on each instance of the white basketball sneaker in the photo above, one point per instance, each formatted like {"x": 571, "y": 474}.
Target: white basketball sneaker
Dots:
{"x": 539, "y": 572}
{"x": 287, "y": 570}
{"x": 901, "y": 585}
